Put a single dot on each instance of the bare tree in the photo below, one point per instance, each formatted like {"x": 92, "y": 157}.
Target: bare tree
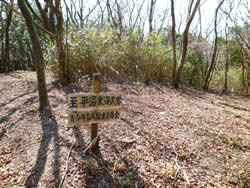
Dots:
{"x": 2, "y": 41}
{"x": 185, "y": 44}
{"x": 151, "y": 15}
{"x": 38, "y": 55}
{"x": 174, "y": 43}
{"x": 230, "y": 8}
{"x": 227, "y": 58}
{"x": 119, "y": 18}
{"x": 6, "y": 57}
{"x": 213, "y": 60}
{"x": 49, "y": 13}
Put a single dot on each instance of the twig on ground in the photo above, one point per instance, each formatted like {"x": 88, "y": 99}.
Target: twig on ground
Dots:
{"x": 136, "y": 184}
{"x": 176, "y": 163}
{"x": 186, "y": 177}
{"x": 178, "y": 168}
{"x": 92, "y": 143}
{"x": 60, "y": 185}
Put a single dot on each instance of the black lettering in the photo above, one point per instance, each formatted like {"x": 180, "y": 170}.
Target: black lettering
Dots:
{"x": 112, "y": 102}
{"x": 77, "y": 117}
{"x": 117, "y": 115}
{"x": 85, "y": 100}
{"x": 88, "y": 116}
{"x": 72, "y": 120}
{"x": 93, "y": 116}
{"x": 103, "y": 116}
{"x": 83, "y": 117}
{"x": 98, "y": 116}
{"x": 93, "y": 101}
{"x": 107, "y": 100}
{"x": 118, "y": 100}
{"x": 100, "y": 101}
{"x": 73, "y": 102}
{"x": 112, "y": 115}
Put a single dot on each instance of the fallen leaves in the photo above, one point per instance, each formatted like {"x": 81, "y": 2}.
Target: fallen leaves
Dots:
{"x": 212, "y": 143}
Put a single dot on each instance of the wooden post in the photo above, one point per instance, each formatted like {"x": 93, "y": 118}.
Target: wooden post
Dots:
{"x": 94, "y": 126}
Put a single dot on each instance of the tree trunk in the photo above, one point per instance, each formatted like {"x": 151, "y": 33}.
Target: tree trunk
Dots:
{"x": 151, "y": 14}
{"x": 185, "y": 45}
{"x": 226, "y": 71}
{"x": 226, "y": 64}
{"x": 2, "y": 42}
{"x": 174, "y": 43}
{"x": 243, "y": 68}
{"x": 62, "y": 59}
{"x": 38, "y": 56}
{"x": 248, "y": 77}
{"x": 213, "y": 61}
{"x": 119, "y": 16}
{"x": 6, "y": 58}
{"x": 64, "y": 79}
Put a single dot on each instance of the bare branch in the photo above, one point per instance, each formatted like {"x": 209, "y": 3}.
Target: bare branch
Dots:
{"x": 37, "y": 26}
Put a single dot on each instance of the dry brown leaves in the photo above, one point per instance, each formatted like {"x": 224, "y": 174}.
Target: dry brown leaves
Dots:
{"x": 165, "y": 138}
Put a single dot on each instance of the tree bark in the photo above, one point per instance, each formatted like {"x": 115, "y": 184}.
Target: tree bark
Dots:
{"x": 213, "y": 61}
{"x": 38, "y": 56}
{"x": 151, "y": 14}
{"x": 174, "y": 43}
{"x": 226, "y": 71}
{"x": 6, "y": 58}
{"x": 64, "y": 79}
{"x": 227, "y": 59}
{"x": 2, "y": 42}
{"x": 185, "y": 45}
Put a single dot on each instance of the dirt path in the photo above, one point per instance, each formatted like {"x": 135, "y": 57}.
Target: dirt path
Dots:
{"x": 165, "y": 138}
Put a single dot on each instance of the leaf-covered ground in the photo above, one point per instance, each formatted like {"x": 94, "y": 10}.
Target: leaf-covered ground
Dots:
{"x": 165, "y": 138}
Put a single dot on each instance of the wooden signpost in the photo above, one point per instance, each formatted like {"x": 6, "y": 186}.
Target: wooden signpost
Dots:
{"x": 93, "y": 108}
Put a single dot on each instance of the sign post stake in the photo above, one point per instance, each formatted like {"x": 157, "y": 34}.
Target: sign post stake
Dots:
{"x": 94, "y": 126}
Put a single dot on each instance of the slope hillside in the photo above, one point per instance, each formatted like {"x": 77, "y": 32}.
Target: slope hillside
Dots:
{"x": 165, "y": 138}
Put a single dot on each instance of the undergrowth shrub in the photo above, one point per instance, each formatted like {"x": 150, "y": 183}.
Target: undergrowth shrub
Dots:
{"x": 192, "y": 70}
{"x": 129, "y": 58}
{"x": 234, "y": 79}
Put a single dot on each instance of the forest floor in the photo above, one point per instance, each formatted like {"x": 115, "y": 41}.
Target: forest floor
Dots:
{"x": 165, "y": 138}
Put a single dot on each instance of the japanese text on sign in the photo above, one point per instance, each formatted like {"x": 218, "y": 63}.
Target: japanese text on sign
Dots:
{"x": 84, "y": 100}
{"x": 93, "y": 116}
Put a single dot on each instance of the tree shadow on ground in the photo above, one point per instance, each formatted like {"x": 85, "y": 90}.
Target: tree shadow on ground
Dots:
{"x": 50, "y": 130}
{"x": 54, "y": 85}
{"x": 11, "y": 112}
{"x": 15, "y": 98}
{"x": 234, "y": 107}
{"x": 192, "y": 93}
{"x": 99, "y": 169}
{"x": 96, "y": 175}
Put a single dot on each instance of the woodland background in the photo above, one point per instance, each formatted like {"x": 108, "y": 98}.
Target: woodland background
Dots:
{"x": 130, "y": 41}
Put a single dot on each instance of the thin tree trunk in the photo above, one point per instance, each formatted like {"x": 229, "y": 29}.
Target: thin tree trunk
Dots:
{"x": 151, "y": 14}
{"x": 243, "y": 68}
{"x": 226, "y": 71}
{"x": 243, "y": 75}
{"x": 185, "y": 45}
{"x": 174, "y": 43}
{"x": 38, "y": 56}
{"x": 213, "y": 61}
{"x": 119, "y": 16}
{"x": 6, "y": 58}
{"x": 59, "y": 44}
{"x": 2, "y": 42}
{"x": 226, "y": 64}
{"x": 248, "y": 77}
